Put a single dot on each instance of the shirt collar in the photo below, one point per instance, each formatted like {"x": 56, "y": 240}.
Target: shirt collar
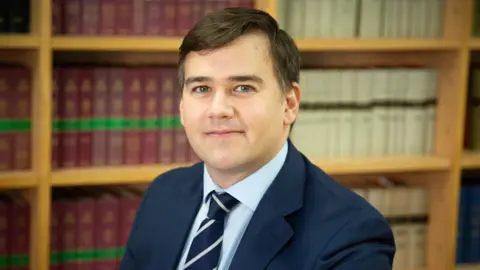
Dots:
{"x": 250, "y": 190}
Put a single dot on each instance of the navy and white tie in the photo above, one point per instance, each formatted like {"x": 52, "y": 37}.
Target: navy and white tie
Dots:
{"x": 205, "y": 249}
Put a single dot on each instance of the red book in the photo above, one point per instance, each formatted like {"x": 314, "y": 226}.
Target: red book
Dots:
{"x": 107, "y": 17}
{"x": 139, "y": 13}
{"x": 55, "y": 240}
{"x": 209, "y": 6}
{"x": 124, "y": 17}
{"x": 5, "y": 136}
{"x": 168, "y": 19}
{"x": 150, "y": 115}
{"x": 153, "y": 17}
{"x": 166, "y": 112}
{"x": 90, "y": 17}
{"x": 107, "y": 217}
{"x": 73, "y": 17}
{"x": 55, "y": 118}
{"x": 100, "y": 115}
{"x": 68, "y": 221}
{"x": 185, "y": 16}
{"x": 84, "y": 146}
{"x": 85, "y": 234}
{"x": 221, "y": 4}
{"x": 128, "y": 208}
{"x": 20, "y": 110}
{"x": 69, "y": 111}
{"x": 57, "y": 20}
{"x": 4, "y": 235}
{"x": 132, "y": 104}
{"x": 20, "y": 230}
{"x": 115, "y": 113}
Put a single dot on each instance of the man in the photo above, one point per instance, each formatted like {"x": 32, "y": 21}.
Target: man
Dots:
{"x": 255, "y": 202}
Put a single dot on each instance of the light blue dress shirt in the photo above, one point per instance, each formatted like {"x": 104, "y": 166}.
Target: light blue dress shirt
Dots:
{"x": 248, "y": 192}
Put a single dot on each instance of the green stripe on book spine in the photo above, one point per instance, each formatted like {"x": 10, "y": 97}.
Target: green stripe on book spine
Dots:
{"x": 115, "y": 124}
{"x": 87, "y": 255}
{"x": 4, "y": 261}
{"x": 18, "y": 260}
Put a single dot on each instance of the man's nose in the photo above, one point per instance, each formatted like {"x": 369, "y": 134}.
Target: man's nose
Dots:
{"x": 220, "y": 106}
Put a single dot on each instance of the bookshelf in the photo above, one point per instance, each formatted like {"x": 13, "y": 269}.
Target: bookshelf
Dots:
{"x": 440, "y": 172}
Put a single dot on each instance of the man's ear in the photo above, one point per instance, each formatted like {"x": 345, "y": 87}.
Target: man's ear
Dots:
{"x": 292, "y": 104}
{"x": 180, "y": 109}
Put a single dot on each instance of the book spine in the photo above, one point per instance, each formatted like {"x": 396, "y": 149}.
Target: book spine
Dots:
{"x": 19, "y": 16}
{"x": 153, "y": 17}
{"x": 124, "y": 17}
{"x": 115, "y": 113}
{"x": 20, "y": 231}
{"x": 128, "y": 208}
{"x": 107, "y": 217}
{"x": 99, "y": 116}
{"x": 84, "y": 145}
{"x": 166, "y": 112}
{"x": 150, "y": 115}
{"x": 168, "y": 20}
{"x": 69, "y": 113}
{"x": 139, "y": 13}
{"x": 21, "y": 112}
{"x": 55, "y": 237}
{"x": 6, "y": 149}
{"x": 107, "y": 17}
{"x": 90, "y": 17}
{"x": 57, "y": 17}
{"x": 73, "y": 17}
{"x": 184, "y": 16}
{"x": 55, "y": 118}
{"x": 132, "y": 104}
{"x": 85, "y": 234}
{"x": 4, "y": 235}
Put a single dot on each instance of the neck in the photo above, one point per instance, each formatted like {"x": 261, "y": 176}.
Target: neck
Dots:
{"x": 226, "y": 178}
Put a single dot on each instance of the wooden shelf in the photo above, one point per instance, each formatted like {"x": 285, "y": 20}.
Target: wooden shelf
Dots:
{"x": 75, "y": 43}
{"x": 382, "y": 165}
{"x": 471, "y": 160}
{"x": 474, "y": 43}
{"x": 376, "y": 45}
{"x": 15, "y": 180}
{"x": 109, "y": 175}
{"x": 19, "y": 42}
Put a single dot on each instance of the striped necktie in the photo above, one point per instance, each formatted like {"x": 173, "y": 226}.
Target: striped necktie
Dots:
{"x": 206, "y": 245}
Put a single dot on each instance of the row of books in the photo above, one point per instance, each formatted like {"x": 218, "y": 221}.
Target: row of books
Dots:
{"x": 473, "y": 126}
{"x": 15, "y": 16}
{"x": 468, "y": 233}
{"x": 90, "y": 226}
{"x": 15, "y": 118}
{"x": 366, "y": 112}
{"x": 133, "y": 17}
{"x": 361, "y": 18}
{"x": 406, "y": 210}
{"x": 117, "y": 115}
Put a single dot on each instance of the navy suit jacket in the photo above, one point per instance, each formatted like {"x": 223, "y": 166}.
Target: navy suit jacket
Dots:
{"x": 306, "y": 220}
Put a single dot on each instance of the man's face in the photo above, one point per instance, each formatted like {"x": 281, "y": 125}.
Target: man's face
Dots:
{"x": 234, "y": 113}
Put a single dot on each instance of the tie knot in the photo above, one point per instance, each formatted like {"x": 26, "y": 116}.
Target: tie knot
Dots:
{"x": 220, "y": 205}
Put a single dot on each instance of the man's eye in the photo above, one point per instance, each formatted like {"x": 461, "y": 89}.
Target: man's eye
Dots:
{"x": 243, "y": 88}
{"x": 200, "y": 89}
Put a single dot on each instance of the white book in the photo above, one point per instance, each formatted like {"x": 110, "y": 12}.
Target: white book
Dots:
{"x": 403, "y": 18}
{"x": 304, "y": 91}
{"x": 346, "y": 132}
{"x": 435, "y": 18}
{"x": 282, "y": 15}
{"x": 325, "y": 23}
{"x": 417, "y": 245}
{"x": 431, "y": 112}
{"x": 371, "y": 18}
{"x": 296, "y": 18}
{"x": 401, "y": 233}
{"x": 344, "y": 18}
{"x": 389, "y": 18}
{"x": 380, "y": 115}
{"x": 311, "y": 18}
{"x": 378, "y": 198}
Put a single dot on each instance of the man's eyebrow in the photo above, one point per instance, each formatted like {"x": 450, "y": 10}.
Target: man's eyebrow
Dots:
{"x": 200, "y": 79}
{"x": 246, "y": 78}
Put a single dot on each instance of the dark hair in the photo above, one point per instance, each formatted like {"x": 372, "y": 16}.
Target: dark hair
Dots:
{"x": 219, "y": 28}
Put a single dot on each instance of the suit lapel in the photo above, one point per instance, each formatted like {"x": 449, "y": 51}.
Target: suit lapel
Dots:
{"x": 268, "y": 230}
{"x": 181, "y": 213}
